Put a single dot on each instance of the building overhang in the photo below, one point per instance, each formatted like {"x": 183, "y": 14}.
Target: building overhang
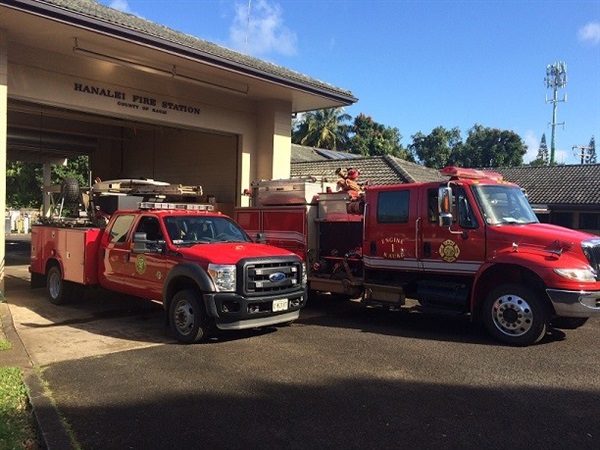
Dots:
{"x": 61, "y": 26}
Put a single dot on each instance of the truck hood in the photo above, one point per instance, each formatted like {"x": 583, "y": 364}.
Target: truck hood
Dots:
{"x": 541, "y": 235}
{"x": 230, "y": 252}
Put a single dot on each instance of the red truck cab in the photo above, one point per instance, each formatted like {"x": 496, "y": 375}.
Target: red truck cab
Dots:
{"x": 474, "y": 245}
{"x": 199, "y": 263}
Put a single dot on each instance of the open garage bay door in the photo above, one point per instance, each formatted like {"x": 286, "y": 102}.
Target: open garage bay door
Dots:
{"x": 124, "y": 149}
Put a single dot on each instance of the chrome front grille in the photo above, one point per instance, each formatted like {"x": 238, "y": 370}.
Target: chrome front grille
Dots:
{"x": 591, "y": 249}
{"x": 271, "y": 276}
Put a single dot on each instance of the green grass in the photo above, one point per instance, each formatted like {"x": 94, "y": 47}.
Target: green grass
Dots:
{"x": 4, "y": 344}
{"x": 17, "y": 426}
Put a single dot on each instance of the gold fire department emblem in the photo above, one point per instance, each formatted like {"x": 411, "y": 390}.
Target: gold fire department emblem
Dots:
{"x": 449, "y": 251}
{"x": 140, "y": 264}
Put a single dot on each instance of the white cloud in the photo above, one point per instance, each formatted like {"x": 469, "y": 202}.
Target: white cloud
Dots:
{"x": 120, "y": 5}
{"x": 533, "y": 146}
{"x": 590, "y": 33}
{"x": 263, "y": 32}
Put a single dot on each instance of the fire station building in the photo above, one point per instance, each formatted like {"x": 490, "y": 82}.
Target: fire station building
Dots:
{"x": 142, "y": 100}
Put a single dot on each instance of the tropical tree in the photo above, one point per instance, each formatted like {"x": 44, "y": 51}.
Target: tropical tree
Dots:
{"x": 590, "y": 155}
{"x": 23, "y": 184}
{"x": 543, "y": 157}
{"x": 24, "y": 180}
{"x": 324, "y": 128}
{"x": 490, "y": 147}
{"x": 370, "y": 138}
{"x": 78, "y": 168}
{"x": 435, "y": 149}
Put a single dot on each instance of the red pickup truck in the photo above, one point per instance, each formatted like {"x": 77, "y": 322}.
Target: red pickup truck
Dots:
{"x": 200, "y": 264}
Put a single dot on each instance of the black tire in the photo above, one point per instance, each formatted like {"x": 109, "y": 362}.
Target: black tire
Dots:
{"x": 187, "y": 317}
{"x": 568, "y": 323}
{"x": 70, "y": 190}
{"x": 59, "y": 291}
{"x": 514, "y": 315}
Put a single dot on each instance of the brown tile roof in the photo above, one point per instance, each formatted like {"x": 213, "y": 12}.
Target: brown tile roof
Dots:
{"x": 557, "y": 185}
{"x": 377, "y": 170}
{"x": 569, "y": 185}
{"x": 303, "y": 153}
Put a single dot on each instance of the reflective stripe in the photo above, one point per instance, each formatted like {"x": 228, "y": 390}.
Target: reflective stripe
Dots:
{"x": 470, "y": 267}
{"x": 465, "y": 267}
{"x": 381, "y": 263}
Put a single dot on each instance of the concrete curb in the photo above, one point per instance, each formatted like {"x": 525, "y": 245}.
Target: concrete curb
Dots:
{"x": 51, "y": 430}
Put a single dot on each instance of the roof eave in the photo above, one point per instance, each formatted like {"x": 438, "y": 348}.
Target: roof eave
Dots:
{"x": 73, "y": 18}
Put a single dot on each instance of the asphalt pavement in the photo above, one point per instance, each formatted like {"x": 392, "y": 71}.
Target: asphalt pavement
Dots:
{"x": 340, "y": 377}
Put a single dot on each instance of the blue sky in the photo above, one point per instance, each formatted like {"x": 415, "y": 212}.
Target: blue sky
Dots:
{"x": 419, "y": 64}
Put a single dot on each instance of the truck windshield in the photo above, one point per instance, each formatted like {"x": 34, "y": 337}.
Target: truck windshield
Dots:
{"x": 504, "y": 204}
{"x": 190, "y": 230}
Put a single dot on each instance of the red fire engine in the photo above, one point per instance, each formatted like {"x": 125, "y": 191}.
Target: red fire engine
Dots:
{"x": 471, "y": 245}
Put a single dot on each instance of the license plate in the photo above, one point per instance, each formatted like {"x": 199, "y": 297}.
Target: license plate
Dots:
{"x": 280, "y": 305}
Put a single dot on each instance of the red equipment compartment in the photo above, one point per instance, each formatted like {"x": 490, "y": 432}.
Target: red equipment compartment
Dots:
{"x": 75, "y": 248}
{"x": 283, "y": 226}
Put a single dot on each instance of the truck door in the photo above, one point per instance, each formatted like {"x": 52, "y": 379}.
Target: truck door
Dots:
{"x": 458, "y": 249}
{"x": 390, "y": 238}
{"x": 114, "y": 249}
{"x": 145, "y": 271}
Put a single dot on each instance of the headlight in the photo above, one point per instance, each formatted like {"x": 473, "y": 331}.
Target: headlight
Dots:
{"x": 586, "y": 275}
{"x": 223, "y": 277}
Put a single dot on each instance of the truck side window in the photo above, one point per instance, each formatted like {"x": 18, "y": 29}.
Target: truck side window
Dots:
{"x": 466, "y": 218}
{"x": 118, "y": 232}
{"x": 392, "y": 206}
{"x": 432, "y": 205}
{"x": 151, "y": 227}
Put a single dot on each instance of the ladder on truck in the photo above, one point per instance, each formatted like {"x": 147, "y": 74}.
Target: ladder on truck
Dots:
{"x": 72, "y": 205}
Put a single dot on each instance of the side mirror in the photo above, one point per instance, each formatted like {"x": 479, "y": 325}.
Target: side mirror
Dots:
{"x": 142, "y": 245}
{"x": 261, "y": 238}
{"x": 445, "y": 206}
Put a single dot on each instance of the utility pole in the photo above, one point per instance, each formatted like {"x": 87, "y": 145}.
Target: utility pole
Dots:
{"x": 556, "y": 78}
{"x": 583, "y": 148}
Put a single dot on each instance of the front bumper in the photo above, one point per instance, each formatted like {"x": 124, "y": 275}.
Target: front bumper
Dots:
{"x": 575, "y": 303}
{"x": 234, "y": 312}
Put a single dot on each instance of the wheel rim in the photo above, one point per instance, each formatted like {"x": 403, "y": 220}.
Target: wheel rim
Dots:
{"x": 54, "y": 285}
{"x": 512, "y": 315}
{"x": 184, "y": 317}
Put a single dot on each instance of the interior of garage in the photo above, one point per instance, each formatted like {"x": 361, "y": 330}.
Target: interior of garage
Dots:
{"x": 119, "y": 148}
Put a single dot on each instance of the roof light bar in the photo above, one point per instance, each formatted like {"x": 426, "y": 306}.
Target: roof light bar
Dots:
{"x": 177, "y": 206}
{"x": 470, "y": 174}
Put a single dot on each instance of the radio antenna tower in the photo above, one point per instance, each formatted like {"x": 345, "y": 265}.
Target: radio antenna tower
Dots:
{"x": 556, "y": 78}
{"x": 247, "y": 26}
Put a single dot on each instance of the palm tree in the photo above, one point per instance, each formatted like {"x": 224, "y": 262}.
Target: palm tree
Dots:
{"x": 323, "y": 128}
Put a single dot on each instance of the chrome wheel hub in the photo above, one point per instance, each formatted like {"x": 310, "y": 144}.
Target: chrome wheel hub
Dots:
{"x": 184, "y": 317}
{"x": 512, "y": 315}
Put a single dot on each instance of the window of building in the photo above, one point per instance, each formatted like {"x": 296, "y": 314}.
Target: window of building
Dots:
{"x": 589, "y": 221}
{"x": 564, "y": 219}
